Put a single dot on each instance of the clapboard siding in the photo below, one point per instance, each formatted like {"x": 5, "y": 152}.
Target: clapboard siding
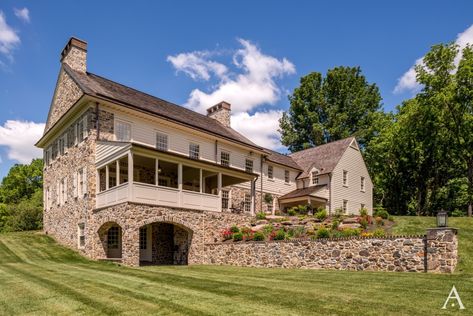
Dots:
{"x": 352, "y": 161}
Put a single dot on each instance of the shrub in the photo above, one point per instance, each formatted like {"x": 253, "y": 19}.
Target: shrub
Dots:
{"x": 234, "y": 229}
{"x": 268, "y": 198}
{"x": 379, "y": 221}
{"x": 302, "y": 209}
{"x": 381, "y": 212}
{"x": 379, "y": 233}
{"x": 268, "y": 229}
{"x": 258, "y": 236}
{"x": 336, "y": 234}
{"x": 237, "y": 237}
{"x": 351, "y": 232}
{"x": 390, "y": 218}
{"x": 363, "y": 212}
{"x": 279, "y": 235}
{"x": 323, "y": 233}
{"x": 261, "y": 215}
{"x": 458, "y": 213}
{"x": 335, "y": 224}
{"x": 321, "y": 215}
{"x": 338, "y": 213}
{"x": 226, "y": 234}
{"x": 292, "y": 212}
{"x": 366, "y": 234}
{"x": 363, "y": 221}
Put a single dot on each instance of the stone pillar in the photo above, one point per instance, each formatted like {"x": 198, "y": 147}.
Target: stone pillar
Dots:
{"x": 131, "y": 246}
{"x": 441, "y": 249}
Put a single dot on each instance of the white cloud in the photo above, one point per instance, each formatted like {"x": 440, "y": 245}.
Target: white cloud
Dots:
{"x": 261, "y": 127}
{"x": 253, "y": 86}
{"x": 408, "y": 81}
{"x": 23, "y": 14}
{"x": 19, "y": 137}
{"x": 197, "y": 66}
{"x": 8, "y": 37}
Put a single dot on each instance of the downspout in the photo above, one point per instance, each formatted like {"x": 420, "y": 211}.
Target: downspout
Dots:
{"x": 261, "y": 184}
{"x": 216, "y": 151}
{"x": 330, "y": 193}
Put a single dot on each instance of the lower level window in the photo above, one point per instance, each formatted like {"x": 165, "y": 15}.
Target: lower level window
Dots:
{"x": 113, "y": 237}
{"x": 143, "y": 239}
{"x": 247, "y": 203}
{"x": 225, "y": 197}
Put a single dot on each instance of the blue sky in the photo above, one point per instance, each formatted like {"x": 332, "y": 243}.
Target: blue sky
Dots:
{"x": 252, "y": 52}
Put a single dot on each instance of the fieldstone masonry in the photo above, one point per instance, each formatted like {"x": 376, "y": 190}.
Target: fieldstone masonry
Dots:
{"x": 436, "y": 252}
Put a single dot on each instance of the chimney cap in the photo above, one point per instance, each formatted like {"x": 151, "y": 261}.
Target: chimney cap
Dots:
{"x": 76, "y": 42}
{"x": 221, "y": 105}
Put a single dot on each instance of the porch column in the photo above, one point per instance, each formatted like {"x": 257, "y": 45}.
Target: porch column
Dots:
{"x": 201, "y": 180}
{"x": 106, "y": 178}
{"x": 219, "y": 190}
{"x": 179, "y": 176}
{"x": 130, "y": 175}
{"x": 253, "y": 200}
{"x": 117, "y": 168}
{"x": 156, "y": 174}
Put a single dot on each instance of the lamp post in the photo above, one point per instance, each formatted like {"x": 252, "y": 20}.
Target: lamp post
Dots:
{"x": 442, "y": 218}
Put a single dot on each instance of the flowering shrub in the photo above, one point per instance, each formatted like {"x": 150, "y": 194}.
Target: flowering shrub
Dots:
{"x": 278, "y": 235}
{"x": 366, "y": 234}
{"x": 237, "y": 236}
{"x": 227, "y": 234}
{"x": 234, "y": 229}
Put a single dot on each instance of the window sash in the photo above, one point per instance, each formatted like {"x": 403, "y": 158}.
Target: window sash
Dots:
{"x": 225, "y": 158}
{"x": 362, "y": 184}
{"x": 345, "y": 177}
{"x": 161, "y": 141}
{"x": 143, "y": 238}
{"x": 247, "y": 203}
{"x": 286, "y": 176}
{"x": 249, "y": 165}
{"x": 225, "y": 199}
{"x": 194, "y": 151}
{"x": 270, "y": 172}
{"x": 123, "y": 131}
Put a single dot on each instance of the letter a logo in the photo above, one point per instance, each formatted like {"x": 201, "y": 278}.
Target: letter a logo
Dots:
{"x": 453, "y": 295}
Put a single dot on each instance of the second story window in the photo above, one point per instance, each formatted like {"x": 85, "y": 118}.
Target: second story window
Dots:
{"x": 225, "y": 158}
{"x": 345, "y": 178}
{"x": 161, "y": 141}
{"x": 362, "y": 184}
{"x": 286, "y": 176}
{"x": 270, "y": 172}
{"x": 249, "y": 165}
{"x": 122, "y": 131}
{"x": 194, "y": 151}
{"x": 315, "y": 178}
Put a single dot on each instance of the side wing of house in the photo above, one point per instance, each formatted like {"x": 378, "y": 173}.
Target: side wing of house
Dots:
{"x": 357, "y": 189}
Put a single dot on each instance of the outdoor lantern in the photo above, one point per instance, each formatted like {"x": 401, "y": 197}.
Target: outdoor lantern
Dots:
{"x": 442, "y": 219}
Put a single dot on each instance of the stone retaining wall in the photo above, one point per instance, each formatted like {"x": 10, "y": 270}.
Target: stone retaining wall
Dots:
{"x": 435, "y": 252}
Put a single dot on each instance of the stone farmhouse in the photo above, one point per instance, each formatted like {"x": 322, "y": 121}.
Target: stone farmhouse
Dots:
{"x": 137, "y": 179}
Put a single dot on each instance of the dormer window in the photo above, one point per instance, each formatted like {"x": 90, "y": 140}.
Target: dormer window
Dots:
{"x": 315, "y": 177}
{"x": 194, "y": 151}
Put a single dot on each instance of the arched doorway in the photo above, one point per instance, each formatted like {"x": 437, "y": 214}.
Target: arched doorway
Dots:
{"x": 110, "y": 235}
{"x": 163, "y": 243}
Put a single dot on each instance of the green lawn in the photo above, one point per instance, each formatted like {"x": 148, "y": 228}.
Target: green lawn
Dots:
{"x": 39, "y": 277}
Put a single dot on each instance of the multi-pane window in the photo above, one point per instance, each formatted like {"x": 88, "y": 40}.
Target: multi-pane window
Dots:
{"x": 225, "y": 158}
{"x": 54, "y": 150}
{"x": 345, "y": 178}
{"x": 47, "y": 156}
{"x": 345, "y": 206}
{"x": 286, "y": 176}
{"x": 122, "y": 131}
{"x": 270, "y": 171}
{"x": 82, "y": 129}
{"x": 81, "y": 235}
{"x": 143, "y": 239}
{"x": 247, "y": 203}
{"x": 249, "y": 165}
{"x": 194, "y": 151}
{"x": 113, "y": 237}
{"x": 315, "y": 178}
{"x": 225, "y": 199}
{"x": 362, "y": 184}
{"x": 161, "y": 141}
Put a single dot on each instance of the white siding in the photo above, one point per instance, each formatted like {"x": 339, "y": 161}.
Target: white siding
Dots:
{"x": 352, "y": 161}
{"x": 108, "y": 150}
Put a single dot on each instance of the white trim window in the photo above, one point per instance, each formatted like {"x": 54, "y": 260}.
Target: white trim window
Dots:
{"x": 82, "y": 129}
{"x": 247, "y": 203}
{"x": 82, "y": 182}
{"x": 362, "y": 184}
{"x": 225, "y": 199}
{"x": 161, "y": 141}
{"x": 47, "y": 156}
{"x": 63, "y": 191}
{"x": 249, "y": 165}
{"x": 225, "y": 158}
{"x": 122, "y": 131}
{"x": 345, "y": 206}
{"x": 345, "y": 178}
{"x": 194, "y": 151}
{"x": 270, "y": 172}
{"x": 315, "y": 177}
{"x": 81, "y": 235}
{"x": 286, "y": 176}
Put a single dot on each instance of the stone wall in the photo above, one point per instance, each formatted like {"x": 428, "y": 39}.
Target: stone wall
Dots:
{"x": 435, "y": 253}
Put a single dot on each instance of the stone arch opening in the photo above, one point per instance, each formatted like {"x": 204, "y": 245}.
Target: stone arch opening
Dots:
{"x": 164, "y": 243}
{"x": 111, "y": 235}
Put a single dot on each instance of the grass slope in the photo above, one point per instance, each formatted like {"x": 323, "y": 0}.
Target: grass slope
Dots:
{"x": 39, "y": 277}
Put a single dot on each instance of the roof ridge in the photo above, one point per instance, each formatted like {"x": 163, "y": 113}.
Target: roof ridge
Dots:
{"x": 322, "y": 145}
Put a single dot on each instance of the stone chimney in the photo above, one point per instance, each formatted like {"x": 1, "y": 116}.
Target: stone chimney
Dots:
{"x": 220, "y": 112}
{"x": 75, "y": 54}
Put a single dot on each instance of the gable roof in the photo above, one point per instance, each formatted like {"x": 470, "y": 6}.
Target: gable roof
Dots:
{"x": 100, "y": 87}
{"x": 323, "y": 157}
{"x": 282, "y": 159}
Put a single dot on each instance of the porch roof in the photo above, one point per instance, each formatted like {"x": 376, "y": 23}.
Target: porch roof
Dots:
{"x": 304, "y": 192}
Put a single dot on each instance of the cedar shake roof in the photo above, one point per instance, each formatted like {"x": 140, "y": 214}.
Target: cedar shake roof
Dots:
{"x": 282, "y": 159}
{"x": 323, "y": 157}
{"x": 302, "y": 192}
{"x": 100, "y": 87}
